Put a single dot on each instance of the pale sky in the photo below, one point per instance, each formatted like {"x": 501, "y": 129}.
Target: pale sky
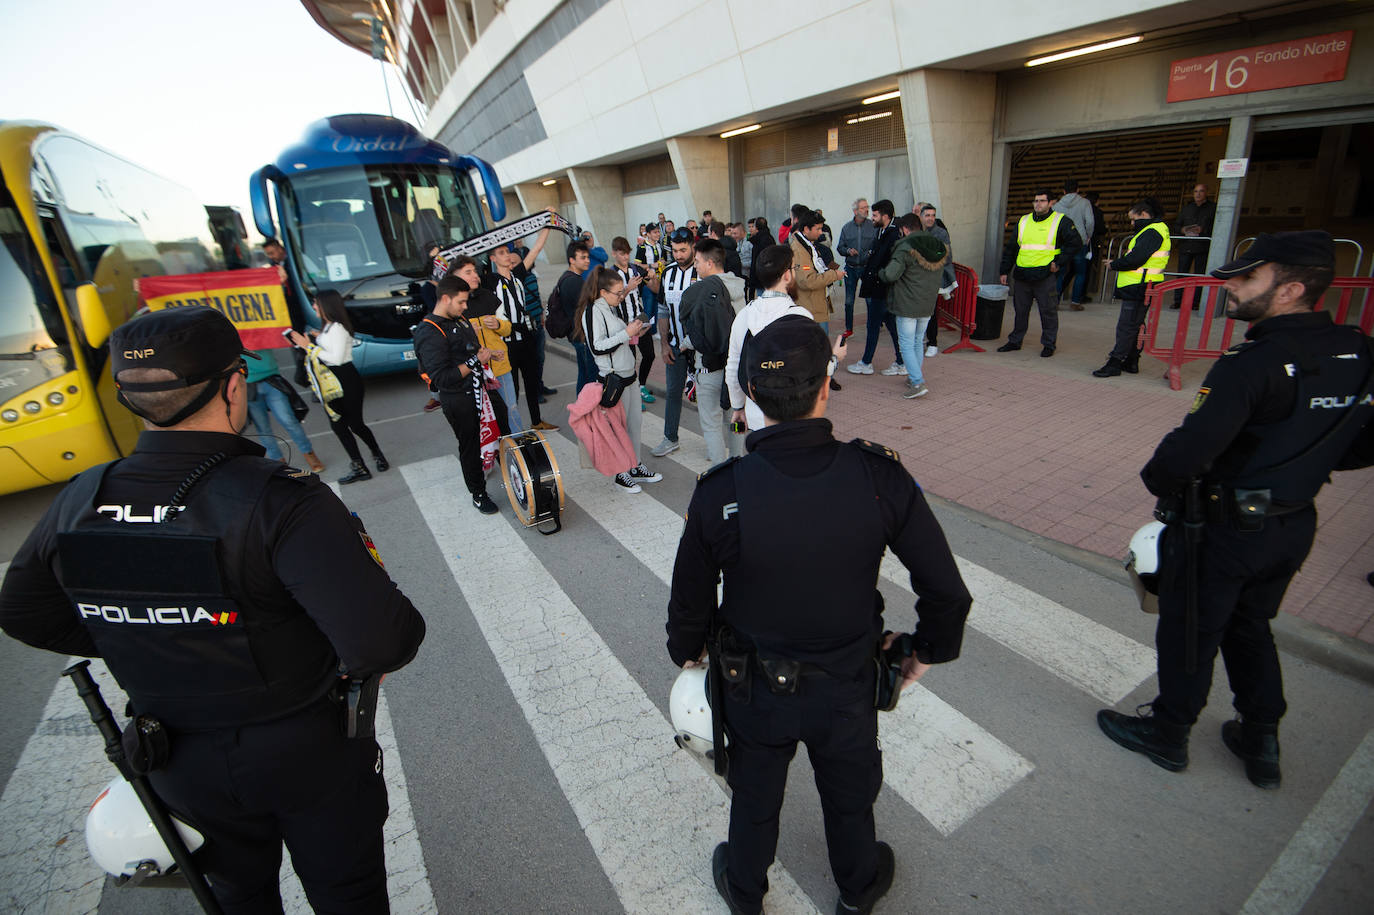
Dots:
{"x": 202, "y": 93}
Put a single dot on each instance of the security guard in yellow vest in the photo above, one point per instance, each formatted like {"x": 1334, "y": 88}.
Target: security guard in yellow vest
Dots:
{"x": 1142, "y": 264}
{"x": 1045, "y": 243}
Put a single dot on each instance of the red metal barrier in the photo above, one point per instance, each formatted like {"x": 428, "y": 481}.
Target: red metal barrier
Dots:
{"x": 1214, "y": 335}
{"x": 957, "y": 313}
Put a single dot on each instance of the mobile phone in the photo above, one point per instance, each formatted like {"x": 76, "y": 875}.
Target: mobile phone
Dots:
{"x": 287, "y": 334}
{"x": 737, "y": 427}
{"x": 844, "y": 337}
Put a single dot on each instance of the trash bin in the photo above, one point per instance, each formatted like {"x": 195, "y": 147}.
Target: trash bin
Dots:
{"x": 987, "y": 315}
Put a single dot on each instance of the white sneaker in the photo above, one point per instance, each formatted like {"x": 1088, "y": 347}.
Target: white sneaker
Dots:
{"x": 860, "y": 368}
{"x": 625, "y": 484}
{"x": 667, "y": 446}
{"x": 932, "y": 352}
{"x": 916, "y": 390}
{"x": 895, "y": 368}
{"x": 642, "y": 474}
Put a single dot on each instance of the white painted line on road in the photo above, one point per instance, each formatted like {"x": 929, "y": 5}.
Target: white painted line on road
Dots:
{"x": 44, "y": 866}
{"x": 1308, "y": 855}
{"x": 945, "y": 766}
{"x": 942, "y": 763}
{"x": 1095, "y": 658}
{"x": 651, "y": 814}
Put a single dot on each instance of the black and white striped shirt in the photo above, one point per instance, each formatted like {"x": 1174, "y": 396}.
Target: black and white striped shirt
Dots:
{"x": 511, "y": 292}
{"x": 632, "y": 301}
{"x": 676, "y": 279}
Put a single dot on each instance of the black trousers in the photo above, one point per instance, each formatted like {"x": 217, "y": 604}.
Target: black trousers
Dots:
{"x": 1242, "y": 580}
{"x": 646, "y": 357}
{"x": 1191, "y": 261}
{"x": 460, "y": 409}
{"x": 350, "y": 410}
{"x": 524, "y": 365}
{"x": 1046, "y": 296}
{"x": 1128, "y": 322}
{"x": 298, "y": 780}
{"x": 837, "y": 722}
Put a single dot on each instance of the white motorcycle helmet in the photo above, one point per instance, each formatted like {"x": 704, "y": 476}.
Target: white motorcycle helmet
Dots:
{"x": 121, "y": 837}
{"x": 690, "y": 713}
{"x": 1142, "y": 564}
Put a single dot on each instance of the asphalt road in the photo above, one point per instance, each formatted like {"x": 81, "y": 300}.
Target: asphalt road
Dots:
{"x": 533, "y": 766}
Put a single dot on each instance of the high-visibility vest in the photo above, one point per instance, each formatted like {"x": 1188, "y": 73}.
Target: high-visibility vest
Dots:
{"x": 1153, "y": 271}
{"x": 1036, "y": 240}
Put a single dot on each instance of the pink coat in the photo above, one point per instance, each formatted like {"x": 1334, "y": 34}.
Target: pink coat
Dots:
{"x": 602, "y": 431}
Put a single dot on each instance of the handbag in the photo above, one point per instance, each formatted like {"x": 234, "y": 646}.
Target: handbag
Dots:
{"x": 298, "y": 405}
{"x": 612, "y": 386}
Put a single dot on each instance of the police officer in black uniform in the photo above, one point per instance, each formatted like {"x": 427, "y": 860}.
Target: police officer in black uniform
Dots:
{"x": 227, "y": 594}
{"x": 1275, "y": 415}
{"x": 800, "y": 645}
{"x": 451, "y": 360}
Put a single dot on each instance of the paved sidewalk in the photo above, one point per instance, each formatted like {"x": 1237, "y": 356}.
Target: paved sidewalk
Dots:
{"x": 1043, "y": 445}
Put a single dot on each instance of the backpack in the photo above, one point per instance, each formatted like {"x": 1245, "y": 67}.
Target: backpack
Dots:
{"x": 557, "y": 322}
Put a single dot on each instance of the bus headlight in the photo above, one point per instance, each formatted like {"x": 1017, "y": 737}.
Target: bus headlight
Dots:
{"x": 56, "y": 398}
{"x": 32, "y": 406}
{"x": 10, "y": 416}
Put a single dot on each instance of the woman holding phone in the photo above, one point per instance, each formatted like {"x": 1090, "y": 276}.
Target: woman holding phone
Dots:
{"x": 334, "y": 346}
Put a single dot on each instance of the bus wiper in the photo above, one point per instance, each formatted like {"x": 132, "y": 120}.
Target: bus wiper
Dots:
{"x": 11, "y": 357}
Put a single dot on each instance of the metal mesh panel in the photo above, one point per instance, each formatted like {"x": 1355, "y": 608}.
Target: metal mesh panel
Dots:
{"x": 866, "y": 131}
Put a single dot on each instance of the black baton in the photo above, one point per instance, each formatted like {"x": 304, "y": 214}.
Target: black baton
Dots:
{"x": 1192, "y": 548}
{"x": 89, "y": 691}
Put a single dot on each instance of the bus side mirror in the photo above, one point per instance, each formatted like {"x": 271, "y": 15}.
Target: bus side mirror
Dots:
{"x": 95, "y": 324}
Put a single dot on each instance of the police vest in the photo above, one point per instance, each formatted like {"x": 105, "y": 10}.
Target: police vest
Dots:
{"x": 797, "y": 593}
{"x": 1326, "y": 391}
{"x": 1153, "y": 271}
{"x": 1036, "y": 240}
{"x": 198, "y": 632}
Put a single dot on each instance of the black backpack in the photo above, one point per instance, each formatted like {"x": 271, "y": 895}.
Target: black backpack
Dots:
{"x": 557, "y": 321}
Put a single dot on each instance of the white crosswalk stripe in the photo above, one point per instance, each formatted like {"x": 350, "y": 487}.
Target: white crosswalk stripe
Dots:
{"x": 1095, "y": 658}
{"x": 944, "y": 765}
{"x": 651, "y": 814}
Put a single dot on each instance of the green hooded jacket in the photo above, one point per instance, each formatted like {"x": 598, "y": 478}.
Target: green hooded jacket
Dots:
{"x": 913, "y": 275}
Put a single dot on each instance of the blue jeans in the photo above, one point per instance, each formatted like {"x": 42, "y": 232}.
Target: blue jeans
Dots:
{"x": 676, "y": 381}
{"x": 271, "y": 400}
{"x": 507, "y": 382}
{"x": 851, "y": 286}
{"x": 911, "y": 343}
{"x": 586, "y": 365}
{"x": 877, "y": 318}
{"x": 1080, "y": 276}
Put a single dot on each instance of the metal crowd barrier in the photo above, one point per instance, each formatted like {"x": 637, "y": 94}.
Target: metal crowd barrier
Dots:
{"x": 957, "y": 313}
{"x": 1212, "y": 336}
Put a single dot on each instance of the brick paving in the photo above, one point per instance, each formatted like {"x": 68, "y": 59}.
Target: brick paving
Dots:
{"x": 1041, "y": 444}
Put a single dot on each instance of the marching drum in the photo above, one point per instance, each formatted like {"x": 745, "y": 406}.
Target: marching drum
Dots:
{"x": 533, "y": 480}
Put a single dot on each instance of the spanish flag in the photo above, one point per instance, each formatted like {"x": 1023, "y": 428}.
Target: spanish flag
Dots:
{"x": 252, "y": 299}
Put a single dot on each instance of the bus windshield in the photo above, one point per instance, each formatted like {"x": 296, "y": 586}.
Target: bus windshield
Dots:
{"x": 358, "y": 222}
{"x": 33, "y": 341}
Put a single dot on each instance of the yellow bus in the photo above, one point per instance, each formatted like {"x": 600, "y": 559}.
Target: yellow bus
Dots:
{"x": 79, "y": 225}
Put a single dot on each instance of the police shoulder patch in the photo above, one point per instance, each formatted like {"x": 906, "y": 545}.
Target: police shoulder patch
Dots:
{"x": 1199, "y": 399}
{"x": 875, "y": 448}
{"x": 294, "y": 473}
{"x": 728, "y": 462}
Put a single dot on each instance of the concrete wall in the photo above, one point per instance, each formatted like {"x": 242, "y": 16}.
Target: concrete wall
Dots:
{"x": 833, "y": 188}
{"x": 1130, "y": 91}
{"x": 645, "y": 207}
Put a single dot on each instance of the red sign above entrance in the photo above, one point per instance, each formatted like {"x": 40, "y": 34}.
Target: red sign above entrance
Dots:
{"x": 1300, "y": 62}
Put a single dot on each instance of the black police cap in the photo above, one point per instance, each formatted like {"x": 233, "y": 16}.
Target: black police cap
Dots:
{"x": 195, "y": 343}
{"x": 1310, "y": 248}
{"x": 787, "y": 356}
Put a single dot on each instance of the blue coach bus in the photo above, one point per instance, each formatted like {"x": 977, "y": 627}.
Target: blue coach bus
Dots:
{"x": 360, "y": 198}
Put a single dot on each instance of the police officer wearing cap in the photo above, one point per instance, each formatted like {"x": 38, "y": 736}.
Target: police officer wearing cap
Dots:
{"x": 796, "y": 633}
{"x": 1275, "y": 415}
{"x": 227, "y": 594}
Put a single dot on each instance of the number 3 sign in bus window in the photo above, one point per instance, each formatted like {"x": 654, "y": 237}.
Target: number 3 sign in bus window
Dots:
{"x": 1300, "y": 62}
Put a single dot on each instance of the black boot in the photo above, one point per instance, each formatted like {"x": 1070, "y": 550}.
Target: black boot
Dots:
{"x": 719, "y": 868}
{"x": 1165, "y": 744}
{"x": 1258, "y": 746}
{"x": 380, "y": 460}
{"x": 356, "y": 471}
{"x": 1131, "y": 364}
{"x": 1110, "y": 370}
{"x": 882, "y": 882}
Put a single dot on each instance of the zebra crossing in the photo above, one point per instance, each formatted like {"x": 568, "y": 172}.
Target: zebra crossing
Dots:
{"x": 648, "y": 812}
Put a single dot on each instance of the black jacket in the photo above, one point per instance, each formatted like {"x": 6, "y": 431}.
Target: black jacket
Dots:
{"x": 711, "y": 544}
{"x": 707, "y": 316}
{"x": 443, "y": 346}
{"x": 870, "y": 286}
{"x": 732, "y": 262}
